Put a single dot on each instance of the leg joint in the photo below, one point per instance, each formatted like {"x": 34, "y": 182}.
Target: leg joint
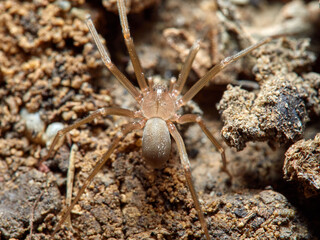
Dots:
{"x": 102, "y": 111}
{"x": 199, "y": 119}
{"x": 61, "y": 133}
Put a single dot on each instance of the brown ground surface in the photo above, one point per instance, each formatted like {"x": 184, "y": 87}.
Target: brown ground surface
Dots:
{"x": 51, "y": 72}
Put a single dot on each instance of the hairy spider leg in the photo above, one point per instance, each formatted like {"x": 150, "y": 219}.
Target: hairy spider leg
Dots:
{"x": 186, "y": 166}
{"x": 217, "y": 68}
{"x": 107, "y": 61}
{"x": 98, "y": 113}
{"x": 172, "y": 84}
{"x": 178, "y": 86}
{"x": 193, "y": 118}
{"x": 131, "y": 48}
{"x": 121, "y": 135}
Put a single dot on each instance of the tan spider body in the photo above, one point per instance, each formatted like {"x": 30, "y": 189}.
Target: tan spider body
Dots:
{"x": 157, "y": 115}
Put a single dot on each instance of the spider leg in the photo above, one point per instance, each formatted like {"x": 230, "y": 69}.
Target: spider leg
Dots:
{"x": 172, "y": 84}
{"x": 130, "y": 46}
{"x": 217, "y": 68}
{"x": 186, "y": 69}
{"x": 125, "y": 130}
{"x": 186, "y": 165}
{"x": 100, "y": 112}
{"x": 107, "y": 61}
{"x": 192, "y": 118}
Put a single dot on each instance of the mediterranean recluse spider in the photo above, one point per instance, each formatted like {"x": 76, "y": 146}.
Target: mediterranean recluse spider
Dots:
{"x": 157, "y": 114}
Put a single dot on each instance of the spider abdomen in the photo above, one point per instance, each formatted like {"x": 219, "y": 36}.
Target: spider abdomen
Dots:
{"x": 156, "y": 142}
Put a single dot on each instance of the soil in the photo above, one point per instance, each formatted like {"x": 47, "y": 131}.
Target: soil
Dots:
{"x": 266, "y": 106}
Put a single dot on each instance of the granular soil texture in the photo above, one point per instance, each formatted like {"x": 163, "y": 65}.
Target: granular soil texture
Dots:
{"x": 51, "y": 75}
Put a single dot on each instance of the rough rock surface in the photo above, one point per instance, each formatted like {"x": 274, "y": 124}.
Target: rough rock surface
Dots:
{"x": 302, "y": 165}
{"x": 279, "y": 110}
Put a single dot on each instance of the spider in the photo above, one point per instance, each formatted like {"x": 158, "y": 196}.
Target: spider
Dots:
{"x": 157, "y": 114}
